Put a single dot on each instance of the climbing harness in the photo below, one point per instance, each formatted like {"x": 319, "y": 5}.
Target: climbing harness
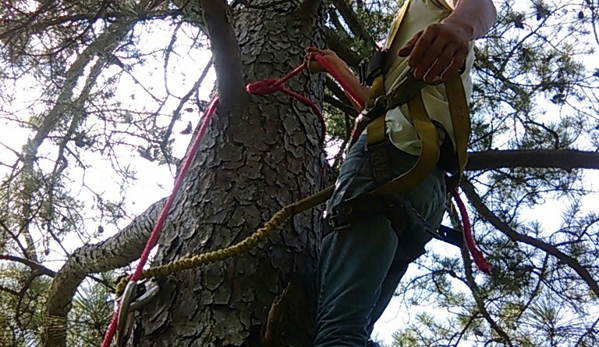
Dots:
{"x": 395, "y": 207}
{"x": 387, "y": 196}
{"x": 409, "y": 91}
{"x": 371, "y": 119}
{"x": 259, "y": 235}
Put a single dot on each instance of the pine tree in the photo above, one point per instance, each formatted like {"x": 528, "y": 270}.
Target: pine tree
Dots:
{"x": 84, "y": 82}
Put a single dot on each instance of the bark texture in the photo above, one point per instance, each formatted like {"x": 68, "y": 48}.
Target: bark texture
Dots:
{"x": 251, "y": 163}
{"x": 118, "y": 251}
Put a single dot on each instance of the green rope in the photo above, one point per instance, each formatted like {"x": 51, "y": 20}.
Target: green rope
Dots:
{"x": 211, "y": 257}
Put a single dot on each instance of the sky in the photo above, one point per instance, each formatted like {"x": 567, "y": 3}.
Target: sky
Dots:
{"x": 155, "y": 182}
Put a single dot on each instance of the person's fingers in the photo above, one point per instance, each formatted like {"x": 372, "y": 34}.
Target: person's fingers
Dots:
{"x": 442, "y": 62}
{"x": 409, "y": 46}
{"x": 422, "y": 48}
{"x": 454, "y": 68}
{"x": 312, "y": 64}
{"x": 433, "y": 51}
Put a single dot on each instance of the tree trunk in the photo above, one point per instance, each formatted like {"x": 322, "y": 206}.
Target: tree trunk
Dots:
{"x": 251, "y": 163}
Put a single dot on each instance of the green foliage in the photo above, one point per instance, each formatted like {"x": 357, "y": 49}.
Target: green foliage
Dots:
{"x": 92, "y": 311}
{"x": 22, "y": 297}
{"x": 84, "y": 82}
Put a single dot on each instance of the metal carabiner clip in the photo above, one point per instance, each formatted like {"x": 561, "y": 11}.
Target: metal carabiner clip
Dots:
{"x": 135, "y": 296}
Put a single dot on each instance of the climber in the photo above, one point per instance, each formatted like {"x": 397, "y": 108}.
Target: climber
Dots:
{"x": 365, "y": 255}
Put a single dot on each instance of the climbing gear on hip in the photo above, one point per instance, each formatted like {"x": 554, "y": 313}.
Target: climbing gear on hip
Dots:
{"x": 396, "y": 208}
{"x": 276, "y": 221}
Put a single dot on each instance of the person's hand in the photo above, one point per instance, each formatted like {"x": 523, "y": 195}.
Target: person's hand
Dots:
{"x": 313, "y": 65}
{"x": 438, "y": 51}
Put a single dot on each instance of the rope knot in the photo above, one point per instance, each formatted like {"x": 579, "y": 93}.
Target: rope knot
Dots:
{"x": 267, "y": 86}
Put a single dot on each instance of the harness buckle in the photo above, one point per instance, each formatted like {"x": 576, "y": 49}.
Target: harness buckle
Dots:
{"x": 334, "y": 221}
{"x": 135, "y": 296}
{"x": 381, "y": 102}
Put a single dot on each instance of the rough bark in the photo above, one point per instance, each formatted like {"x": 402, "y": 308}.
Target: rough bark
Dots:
{"x": 250, "y": 164}
{"x": 118, "y": 251}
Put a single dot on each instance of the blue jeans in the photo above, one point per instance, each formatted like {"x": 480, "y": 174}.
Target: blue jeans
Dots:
{"x": 360, "y": 267}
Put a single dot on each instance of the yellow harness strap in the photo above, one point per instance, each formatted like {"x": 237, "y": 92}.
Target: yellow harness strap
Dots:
{"x": 425, "y": 129}
{"x": 429, "y": 155}
{"x": 378, "y": 86}
{"x": 427, "y": 132}
{"x": 460, "y": 118}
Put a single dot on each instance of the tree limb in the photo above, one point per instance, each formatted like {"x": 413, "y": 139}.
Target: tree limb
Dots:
{"x": 343, "y": 103}
{"x": 9, "y": 291}
{"x": 354, "y": 23}
{"x": 177, "y": 112}
{"x": 105, "y": 43}
{"x": 115, "y": 252}
{"x": 480, "y": 304}
{"x": 307, "y": 9}
{"x": 559, "y": 159}
{"x": 343, "y": 51}
{"x": 225, "y": 54}
{"x": 489, "y": 216}
{"x": 345, "y": 108}
{"x": 32, "y": 264}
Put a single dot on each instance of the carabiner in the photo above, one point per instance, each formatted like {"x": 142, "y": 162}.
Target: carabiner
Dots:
{"x": 135, "y": 296}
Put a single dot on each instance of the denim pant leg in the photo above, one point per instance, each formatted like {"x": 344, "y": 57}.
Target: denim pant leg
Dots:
{"x": 353, "y": 265}
{"x": 429, "y": 200}
{"x": 359, "y": 268}
{"x": 345, "y": 296}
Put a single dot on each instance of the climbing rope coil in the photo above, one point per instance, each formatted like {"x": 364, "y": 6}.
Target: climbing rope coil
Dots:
{"x": 129, "y": 301}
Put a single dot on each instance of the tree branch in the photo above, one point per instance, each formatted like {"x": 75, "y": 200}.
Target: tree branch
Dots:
{"x": 489, "y": 216}
{"x": 560, "y": 159}
{"x": 344, "y": 103}
{"x": 354, "y": 23}
{"x": 343, "y": 51}
{"x": 480, "y": 304}
{"x": 9, "y": 291}
{"x": 33, "y": 265}
{"x": 307, "y": 9}
{"x": 345, "y": 108}
{"x": 225, "y": 54}
{"x": 110, "y": 254}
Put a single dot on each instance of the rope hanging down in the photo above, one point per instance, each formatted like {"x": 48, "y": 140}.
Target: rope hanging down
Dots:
{"x": 153, "y": 239}
{"x": 259, "y": 88}
{"x": 263, "y": 87}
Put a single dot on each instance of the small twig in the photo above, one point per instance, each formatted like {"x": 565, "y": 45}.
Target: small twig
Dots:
{"x": 488, "y": 215}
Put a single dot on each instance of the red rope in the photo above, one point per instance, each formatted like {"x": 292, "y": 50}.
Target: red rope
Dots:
{"x": 153, "y": 239}
{"x": 263, "y": 87}
{"x": 479, "y": 258}
{"x": 271, "y": 85}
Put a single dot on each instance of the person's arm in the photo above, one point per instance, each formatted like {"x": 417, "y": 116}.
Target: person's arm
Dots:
{"x": 441, "y": 48}
{"x": 342, "y": 69}
{"x": 476, "y": 15}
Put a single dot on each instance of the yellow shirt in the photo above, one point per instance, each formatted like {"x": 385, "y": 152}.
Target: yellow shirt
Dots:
{"x": 400, "y": 129}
